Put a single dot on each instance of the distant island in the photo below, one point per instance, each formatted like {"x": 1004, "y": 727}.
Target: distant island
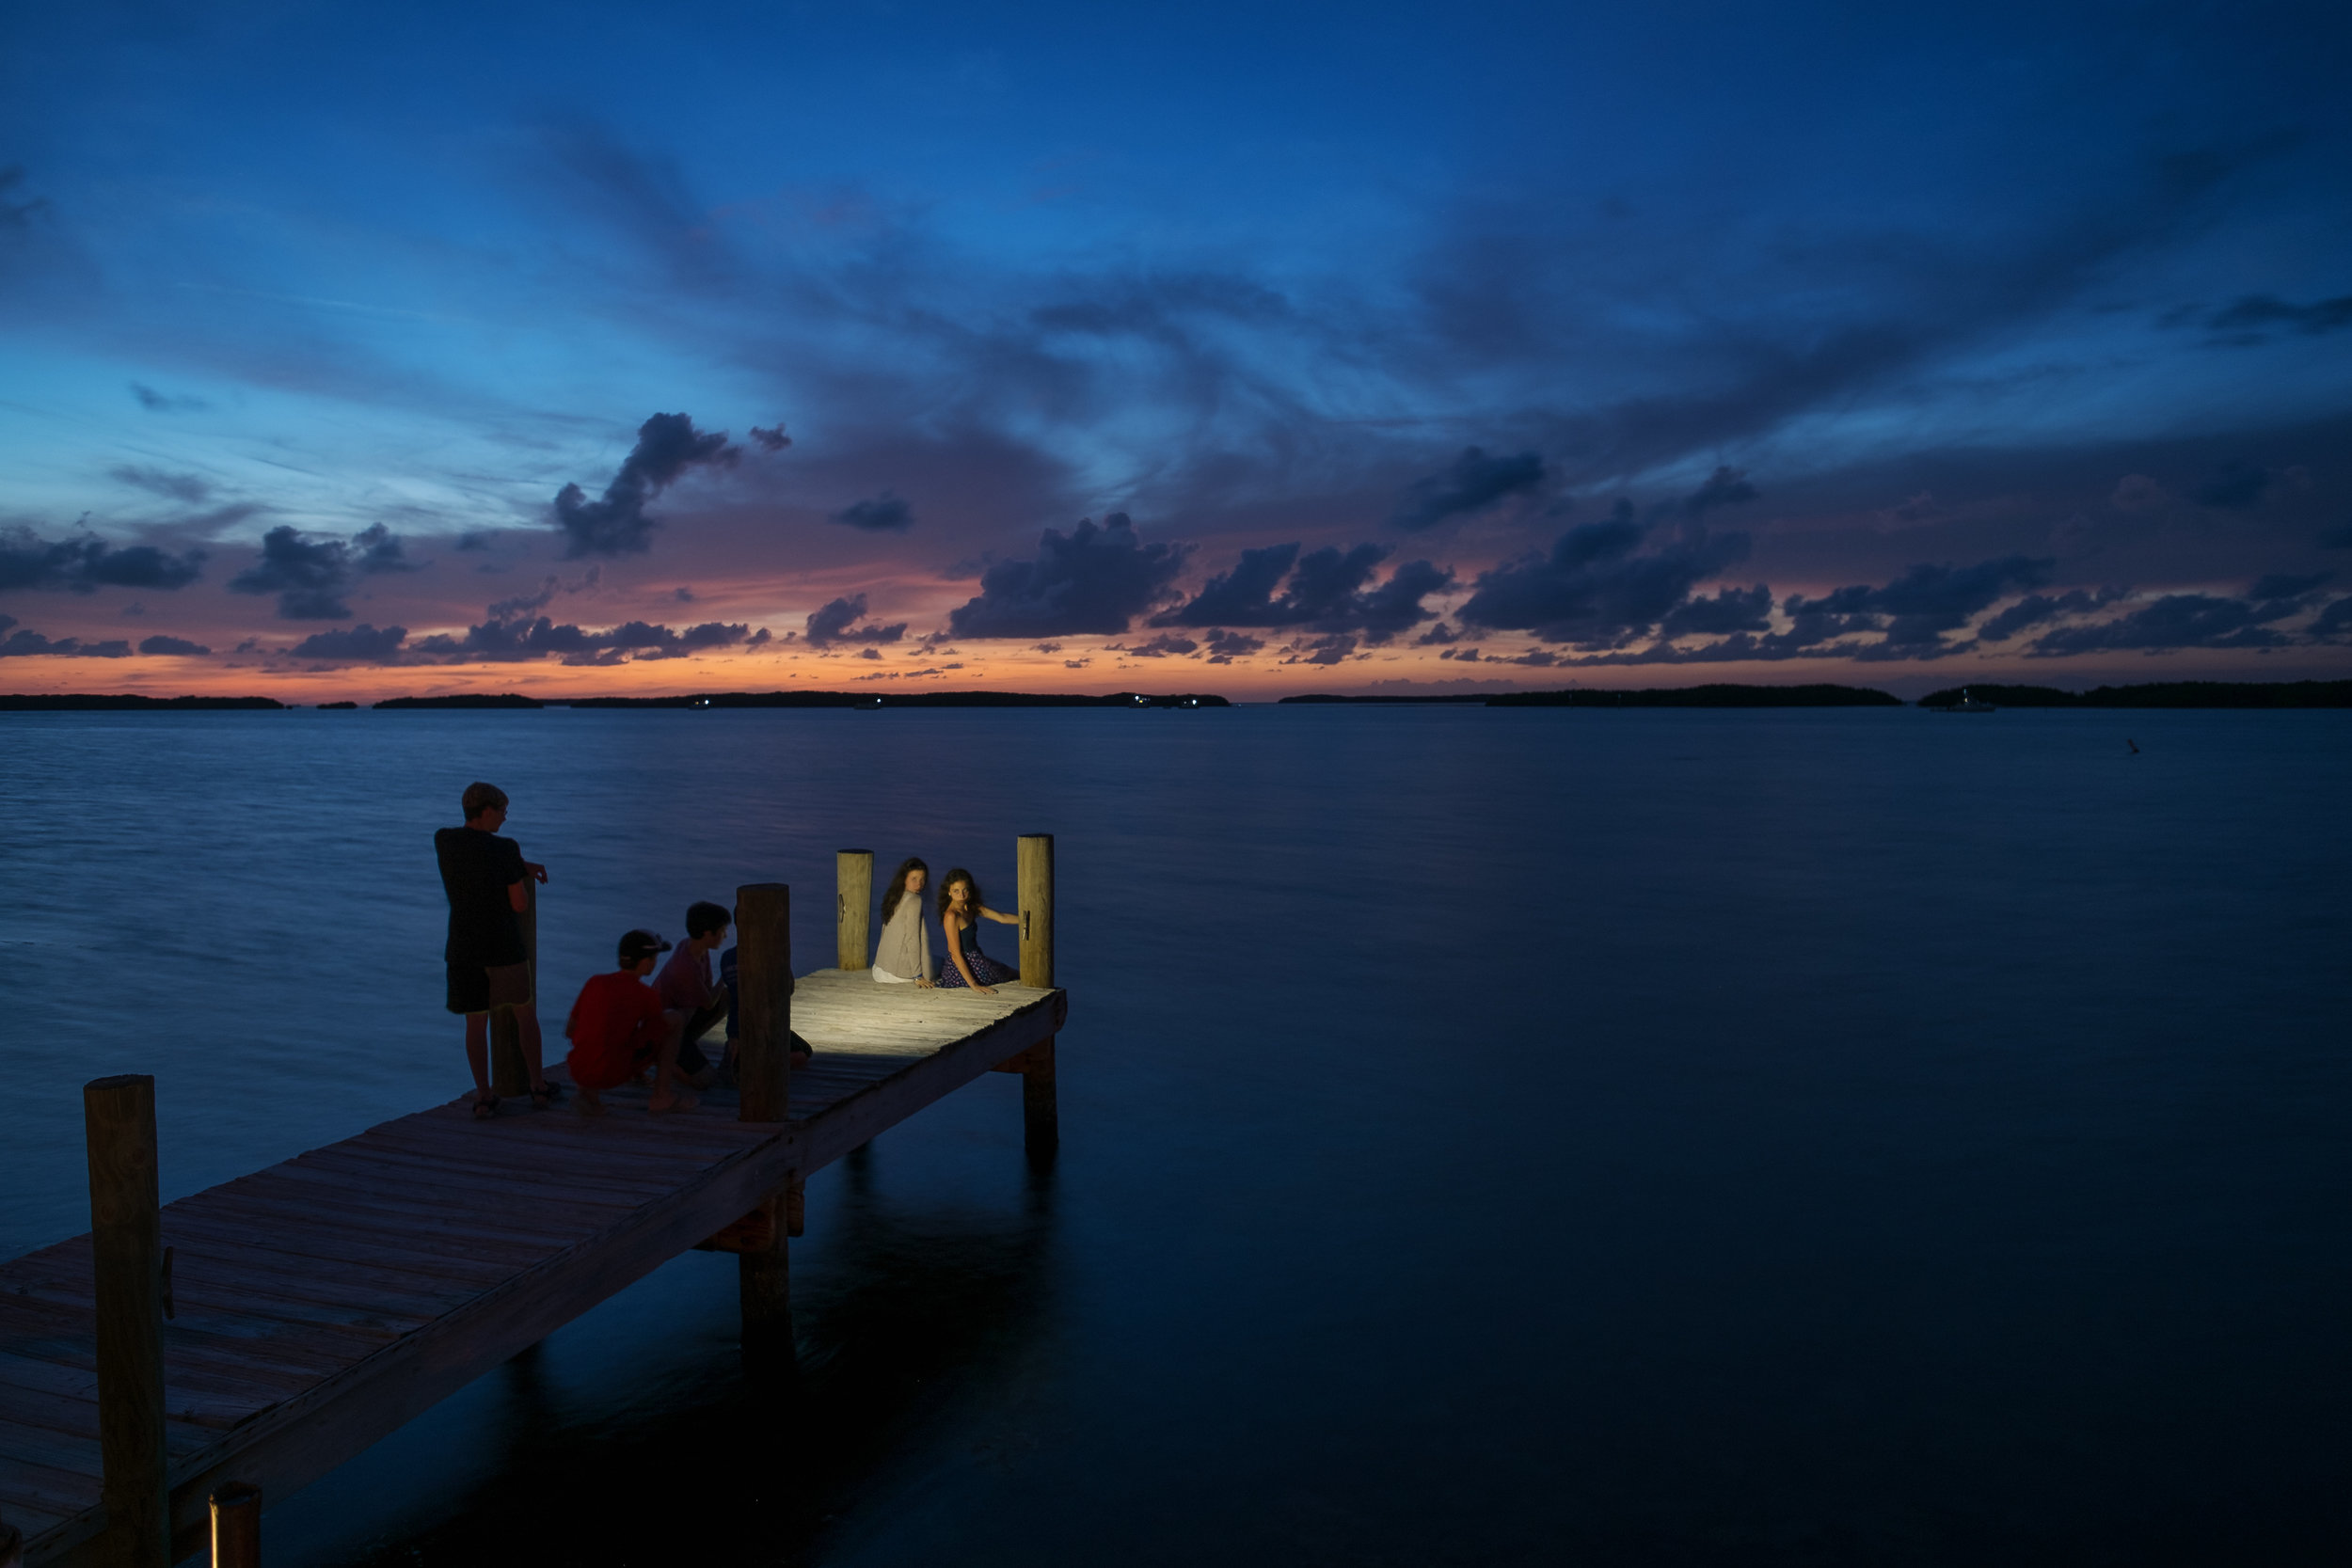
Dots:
{"x": 907, "y": 699}
{"x": 466, "y": 699}
{"x": 123, "y": 702}
{"x": 2157, "y": 694}
{"x": 1671, "y": 696}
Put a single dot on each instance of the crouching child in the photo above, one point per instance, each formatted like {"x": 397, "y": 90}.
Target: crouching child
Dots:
{"x": 618, "y": 1028}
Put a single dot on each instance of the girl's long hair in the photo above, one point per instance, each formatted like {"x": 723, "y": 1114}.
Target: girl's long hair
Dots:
{"x": 898, "y": 887}
{"x": 958, "y": 874}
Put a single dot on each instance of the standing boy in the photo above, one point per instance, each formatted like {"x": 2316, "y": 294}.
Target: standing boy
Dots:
{"x": 486, "y": 880}
{"x": 619, "y": 1026}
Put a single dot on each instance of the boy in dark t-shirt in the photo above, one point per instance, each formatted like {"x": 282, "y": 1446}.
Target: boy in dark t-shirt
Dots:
{"x": 486, "y": 880}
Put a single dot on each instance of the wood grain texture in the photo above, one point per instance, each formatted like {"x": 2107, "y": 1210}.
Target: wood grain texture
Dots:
{"x": 328, "y": 1299}
{"x": 854, "y": 900}
{"x": 127, "y": 1274}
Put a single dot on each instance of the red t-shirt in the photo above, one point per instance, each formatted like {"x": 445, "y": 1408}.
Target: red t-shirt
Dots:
{"x": 615, "y": 1026}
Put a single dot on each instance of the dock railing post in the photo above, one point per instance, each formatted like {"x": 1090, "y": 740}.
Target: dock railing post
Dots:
{"x": 509, "y": 1078}
{"x": 237, "y": 1527}
{"x": 126, "y": 1240}
{"x": 1041, "y": 1120}
{"x": 763, "y": 977}
{"x": 853, "y": 870}
{"x": 763, "y": 980}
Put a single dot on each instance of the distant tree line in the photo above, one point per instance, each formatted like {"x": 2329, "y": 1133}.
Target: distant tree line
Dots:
{"x": 2157, "y": 694}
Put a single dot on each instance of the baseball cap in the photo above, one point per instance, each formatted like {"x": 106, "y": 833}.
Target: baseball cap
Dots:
{"x": 639, "y": 945}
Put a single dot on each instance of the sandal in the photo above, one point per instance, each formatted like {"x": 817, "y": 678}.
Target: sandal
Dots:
{"x": 546, "y": 1094}
{"x": 484, "y": 1108}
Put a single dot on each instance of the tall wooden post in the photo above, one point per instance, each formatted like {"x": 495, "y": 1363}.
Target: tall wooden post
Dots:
{"x": 509, "y": 1077}
{"x": 1041, "y": 1119}
{"x": 237, "y": 1527}
{"x": 853, "y": 870}
{"x": 763, "y": 978}
{"x": 763, "y": 982}
{"x": 126, "y": 1236}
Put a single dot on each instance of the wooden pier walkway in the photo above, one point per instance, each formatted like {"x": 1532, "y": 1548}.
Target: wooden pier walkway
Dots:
{"x": 309, "y": 1309}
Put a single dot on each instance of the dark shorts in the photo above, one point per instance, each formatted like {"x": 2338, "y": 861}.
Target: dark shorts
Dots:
{"x": 474, "y": 988}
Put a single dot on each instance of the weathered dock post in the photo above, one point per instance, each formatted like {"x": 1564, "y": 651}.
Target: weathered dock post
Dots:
{"x": 1041, "y": 1120}
{"x": 509, "y": 1078}
{"x": 237, "y": 1527}
{"x": 853, "y": 871}
{"x": 126, "y": 1238}
{"x": 763, "y": 977}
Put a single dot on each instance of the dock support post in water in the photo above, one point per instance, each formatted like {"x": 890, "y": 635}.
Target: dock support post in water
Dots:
{"x": 237, "y": 1527}
{"x": 853, "y": 871}
{"x": 126, "y": 1239}
{"x": 763, "y": 977}
{"x": 1041, "y": 1119}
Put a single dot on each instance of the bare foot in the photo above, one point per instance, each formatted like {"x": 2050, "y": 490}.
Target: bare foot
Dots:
{"x": 587, "y": 1104}
{"x": 679, "y": 1102}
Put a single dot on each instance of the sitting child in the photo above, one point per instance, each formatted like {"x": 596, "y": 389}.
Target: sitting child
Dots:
{"x": 619, "y": 1026}
{"x": 799, "y": 1049}
{"x": 685, "y": 988}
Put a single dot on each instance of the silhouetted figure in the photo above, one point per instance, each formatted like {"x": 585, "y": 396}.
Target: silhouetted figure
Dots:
{"x": 2134, "y": 745}
{"x": 489, "y": 966}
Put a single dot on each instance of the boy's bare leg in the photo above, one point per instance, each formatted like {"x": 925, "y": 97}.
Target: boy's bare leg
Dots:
{"x": 478, "y": 1053}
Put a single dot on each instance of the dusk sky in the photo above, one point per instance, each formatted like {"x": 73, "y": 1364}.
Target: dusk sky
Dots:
{"x": 1254, "y": 349}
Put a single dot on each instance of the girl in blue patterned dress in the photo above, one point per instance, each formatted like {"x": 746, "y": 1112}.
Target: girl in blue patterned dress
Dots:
{"x": 960, "y": 913}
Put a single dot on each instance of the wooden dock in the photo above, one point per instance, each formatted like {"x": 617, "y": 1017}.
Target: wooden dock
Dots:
{"x": 309, "y": 1309}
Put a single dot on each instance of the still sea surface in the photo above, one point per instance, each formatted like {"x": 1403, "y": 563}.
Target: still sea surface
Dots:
{"x": 1489, "y": 1136}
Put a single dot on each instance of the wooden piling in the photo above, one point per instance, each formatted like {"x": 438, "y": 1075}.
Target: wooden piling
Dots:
{"x": 11, "y": 1546}
{"x": 237, "y": 1527}
{"x": 126, "y": 1237}
{"x": 764, "y": 1288}
{"x": 1040, "y": 1117}
{"x": 795, "y": 1207}
{"x": 763, "y": 980}
{"x": 509, "y": 1077}
{"x": 853, "y": 872}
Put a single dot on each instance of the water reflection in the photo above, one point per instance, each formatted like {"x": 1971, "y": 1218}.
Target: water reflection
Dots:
{"x": 908, "y": 1311}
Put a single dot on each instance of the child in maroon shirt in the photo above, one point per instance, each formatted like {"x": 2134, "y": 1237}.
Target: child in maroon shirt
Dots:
{"x": 618, "y": 1025}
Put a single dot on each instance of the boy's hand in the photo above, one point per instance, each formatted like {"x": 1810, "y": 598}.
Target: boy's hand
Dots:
{"x": 538, "y": 872}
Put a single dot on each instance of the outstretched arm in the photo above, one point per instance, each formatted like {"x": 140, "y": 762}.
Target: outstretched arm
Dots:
{"x": 1002, "y": 919}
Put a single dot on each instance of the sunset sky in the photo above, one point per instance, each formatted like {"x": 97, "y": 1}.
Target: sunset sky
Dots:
{"x": 1254, "y": 349}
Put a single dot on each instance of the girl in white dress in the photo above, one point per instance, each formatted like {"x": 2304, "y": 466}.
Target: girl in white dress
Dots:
{"x": 903, "y": 957}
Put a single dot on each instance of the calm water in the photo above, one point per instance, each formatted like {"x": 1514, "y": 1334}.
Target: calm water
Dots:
{"x": 1488, "y": 1137}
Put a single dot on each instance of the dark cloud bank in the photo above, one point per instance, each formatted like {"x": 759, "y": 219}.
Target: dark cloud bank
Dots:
{"x": 311, "y": 573}
{"x": 616, "y": 523}
{"x": 86, "y": 564}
